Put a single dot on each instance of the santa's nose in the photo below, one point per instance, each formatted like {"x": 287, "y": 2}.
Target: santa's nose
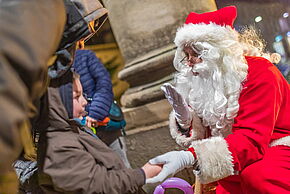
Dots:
{"x": 190, "y": 64}
{"x": 193, "y": 60}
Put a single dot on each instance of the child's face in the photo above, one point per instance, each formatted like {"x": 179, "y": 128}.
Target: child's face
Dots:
{"x": 79, "y": 102}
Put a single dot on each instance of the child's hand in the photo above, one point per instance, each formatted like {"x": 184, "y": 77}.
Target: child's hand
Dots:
{"x": 172, "y": 162}
{"x": 90, "y": 122}
{"x": 152, "y": 170}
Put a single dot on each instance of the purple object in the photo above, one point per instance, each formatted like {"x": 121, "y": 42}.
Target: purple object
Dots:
{"x": 174, "y": 183}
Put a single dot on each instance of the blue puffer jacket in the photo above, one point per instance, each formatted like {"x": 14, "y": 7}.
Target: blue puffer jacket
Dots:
{"x": 96, "y": 83}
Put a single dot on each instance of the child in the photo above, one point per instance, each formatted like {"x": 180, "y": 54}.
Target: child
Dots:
{"x": 72, "y": 159}
{"x": 97, "y": 84}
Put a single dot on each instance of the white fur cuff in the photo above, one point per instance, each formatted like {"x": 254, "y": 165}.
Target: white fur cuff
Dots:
{"x": 282, "y": 141}
{"x": 197, "y": 131}
{"x": 214, "y": 159}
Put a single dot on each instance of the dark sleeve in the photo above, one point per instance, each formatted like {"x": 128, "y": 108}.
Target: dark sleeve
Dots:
{"x": 30, "y": 32}
{"x": 103, "y": 96}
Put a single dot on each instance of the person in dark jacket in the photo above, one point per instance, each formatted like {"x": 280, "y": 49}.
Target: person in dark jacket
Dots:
{"x": 97, "y": 86}
{"x": 76, "y": 160}
{"x": 36, "y": 35}
{"x": 30, "y": 32}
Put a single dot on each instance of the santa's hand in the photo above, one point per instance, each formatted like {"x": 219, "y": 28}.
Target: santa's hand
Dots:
{"x": 172, "y": 162}
{"x": 180, "y": 107}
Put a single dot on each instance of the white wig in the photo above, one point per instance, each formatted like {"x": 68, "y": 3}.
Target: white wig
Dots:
{"x": 214, "y": 93}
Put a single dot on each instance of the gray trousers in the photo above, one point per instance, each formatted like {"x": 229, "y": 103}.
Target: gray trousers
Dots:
{"x": 119, "y": 146}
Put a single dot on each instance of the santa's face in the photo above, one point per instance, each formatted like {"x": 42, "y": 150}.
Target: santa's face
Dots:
{"x": 191, "y": 57}
{"x": 209, "y": 86}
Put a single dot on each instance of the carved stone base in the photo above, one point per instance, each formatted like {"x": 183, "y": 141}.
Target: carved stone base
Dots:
{"x": 146, "y": 115}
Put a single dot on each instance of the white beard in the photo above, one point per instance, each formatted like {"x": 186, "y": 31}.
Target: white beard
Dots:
{"x": 213, "y": 94}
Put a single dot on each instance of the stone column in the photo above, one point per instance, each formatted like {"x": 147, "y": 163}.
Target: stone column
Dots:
{"x": 144, "y": 31}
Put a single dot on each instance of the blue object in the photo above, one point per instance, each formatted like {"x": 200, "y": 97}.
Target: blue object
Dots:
{"x": 82, "y": 122}
{"x": 117, "y": 120}
{"x": 284, "y": 69}
{"x": 96, "y": 82}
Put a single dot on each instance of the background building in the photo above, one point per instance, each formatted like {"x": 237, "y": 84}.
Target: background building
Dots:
{"x": 271, "y": 18}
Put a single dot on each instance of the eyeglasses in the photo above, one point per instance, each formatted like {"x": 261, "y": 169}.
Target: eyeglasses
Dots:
{"x": 191, "y": 53}
{"x": 187, "y": 59}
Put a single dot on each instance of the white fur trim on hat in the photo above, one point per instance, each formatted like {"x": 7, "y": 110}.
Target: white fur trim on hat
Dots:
{"x": 211, "y": 33}
{"x": 198, "y": 131}
{"x": 282, "y": 141}
{"x": 214, "y": 159}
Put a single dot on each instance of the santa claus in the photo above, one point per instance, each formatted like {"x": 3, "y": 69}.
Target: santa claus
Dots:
{"x": 230, "y": 109}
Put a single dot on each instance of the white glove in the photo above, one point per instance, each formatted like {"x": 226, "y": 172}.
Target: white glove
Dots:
{"x": 180, "y": 107}
{"x": 173, "y": 162}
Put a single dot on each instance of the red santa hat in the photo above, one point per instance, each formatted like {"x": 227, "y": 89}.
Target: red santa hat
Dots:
{"x": 207, "y": 27}
{"x": 223, "y": 17}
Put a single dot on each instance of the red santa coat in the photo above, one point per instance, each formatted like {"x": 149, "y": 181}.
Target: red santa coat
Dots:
{"x": 264, "y": 113}
{"x": 260, "y": 133}
{"x": 260, "y": 130}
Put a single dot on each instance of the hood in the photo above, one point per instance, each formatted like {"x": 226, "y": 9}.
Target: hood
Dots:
{"x": 66, "y": 94}
{"x": 55, "y": 107}
{"x": 64, "y": 86}
{"x": 60, "y": 105}
{"x": 58, "y": 115}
